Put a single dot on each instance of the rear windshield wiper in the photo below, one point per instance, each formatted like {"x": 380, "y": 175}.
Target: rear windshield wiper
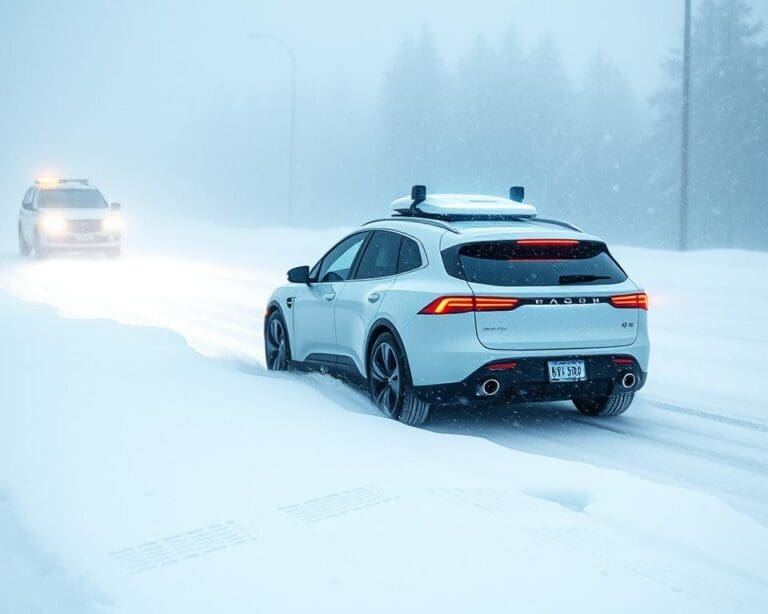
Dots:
{"x": 577, "y": 279}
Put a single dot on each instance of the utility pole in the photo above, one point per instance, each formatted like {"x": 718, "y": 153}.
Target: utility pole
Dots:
{"x": 292, "y": 115}
{"x": 683, "y": 239}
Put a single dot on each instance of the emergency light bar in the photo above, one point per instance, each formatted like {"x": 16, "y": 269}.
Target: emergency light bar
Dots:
{"x": 48, "y": 181}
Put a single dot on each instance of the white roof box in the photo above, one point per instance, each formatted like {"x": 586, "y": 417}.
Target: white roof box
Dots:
{"x": 468, "y": 206}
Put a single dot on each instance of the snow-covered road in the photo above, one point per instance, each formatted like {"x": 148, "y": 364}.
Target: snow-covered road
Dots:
{"x": 701, "y": 423}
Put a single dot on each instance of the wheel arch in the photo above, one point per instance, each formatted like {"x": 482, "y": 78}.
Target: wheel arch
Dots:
{"x": 382, "y": 325}
{"x": 272, "y": 306}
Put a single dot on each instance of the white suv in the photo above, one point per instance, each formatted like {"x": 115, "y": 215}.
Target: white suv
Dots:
{"x": 65, "y": 215}
{"x": 466, "y": 299}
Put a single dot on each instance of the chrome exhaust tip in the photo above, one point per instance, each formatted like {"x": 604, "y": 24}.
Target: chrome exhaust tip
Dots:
{"x": 629, "y": 380}
{"x": 489, "y": 387}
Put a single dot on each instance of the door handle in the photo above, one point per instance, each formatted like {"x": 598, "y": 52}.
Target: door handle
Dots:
{"x": 373, "y": 297}
{"x": 330, "y": 296}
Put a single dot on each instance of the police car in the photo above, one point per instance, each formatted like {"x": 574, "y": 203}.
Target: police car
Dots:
{"x": 466, "y": 299}
{"x": 59, "y": 215}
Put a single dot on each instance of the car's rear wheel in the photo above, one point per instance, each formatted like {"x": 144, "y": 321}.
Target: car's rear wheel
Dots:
{"x": 277, "y": 349}
{"x": 390, "y": 385}
{"x": 24, "y": 249}
{"x": 611, "y": 405}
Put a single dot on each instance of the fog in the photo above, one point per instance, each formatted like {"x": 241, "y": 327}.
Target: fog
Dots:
{"x": 183, "y": 108}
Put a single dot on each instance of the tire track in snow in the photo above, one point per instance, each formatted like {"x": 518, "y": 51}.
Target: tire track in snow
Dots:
{"x": 747, "y": 424}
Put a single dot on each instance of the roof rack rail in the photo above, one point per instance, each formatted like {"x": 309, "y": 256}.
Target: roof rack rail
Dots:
{"x": 417, "y": 220}
{"x": 557, "y": 223}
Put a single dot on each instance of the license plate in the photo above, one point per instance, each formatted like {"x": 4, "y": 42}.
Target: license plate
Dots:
{"x": 84, "y": 238}
{"x": 567, "y": 371}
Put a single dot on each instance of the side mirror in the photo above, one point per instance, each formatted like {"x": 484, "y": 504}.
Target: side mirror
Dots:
{"x": 115, "y": 206}
{"x": 299, "y": 275}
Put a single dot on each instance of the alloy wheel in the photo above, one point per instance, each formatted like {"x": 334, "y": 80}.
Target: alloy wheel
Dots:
{"x": 386, "y": 378}
{"x": 277, "y": 345}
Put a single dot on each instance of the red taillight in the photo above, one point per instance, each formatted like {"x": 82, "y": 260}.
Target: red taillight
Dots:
{"x": 489, "y": 303}
{"x": 463, "y": 304}
{"x": 502, "y": 366}
{"x": 630, "y": 301}
{"x": 450, "y": 304}
{"x": 623, "y": 361}
{"x": 548, "y": 242}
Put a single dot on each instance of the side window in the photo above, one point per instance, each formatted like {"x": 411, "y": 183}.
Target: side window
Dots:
{"x": 410, "y": 256}
{"x": 380, "y": 256}
{"x": 337, "y": 263}
{"x": 27, "y": 202}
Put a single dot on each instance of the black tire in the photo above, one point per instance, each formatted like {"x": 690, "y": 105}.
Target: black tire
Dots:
{"x": 390, "y": 385}
{"x": 114, "y": 252}
{"x": 277, "y": 348}
{"x": 612, "y": 405}
{"x": 24, "y": 249}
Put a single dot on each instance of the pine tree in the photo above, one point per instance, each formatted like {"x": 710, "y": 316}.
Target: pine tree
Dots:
{"x": 609, "y": 130}
{"x": 548, "y": 118}
{"x": 413, "y": 117}
{"x": 729, "y": 138}
{"x": 476, "y": 122}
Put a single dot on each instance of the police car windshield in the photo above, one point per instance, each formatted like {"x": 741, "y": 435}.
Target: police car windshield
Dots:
{"x": 72, "y": 199}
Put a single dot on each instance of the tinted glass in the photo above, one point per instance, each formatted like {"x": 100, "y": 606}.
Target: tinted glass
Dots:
{"x": 505, "y": 263}
{"x": 338, "y": 262}
{"x": 410, "y": 256}
{"x": 380, "y": 256}
{"x": 72, "y": 199}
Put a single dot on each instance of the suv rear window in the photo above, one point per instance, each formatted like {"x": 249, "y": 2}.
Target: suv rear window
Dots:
{"x": 509, "y": 263}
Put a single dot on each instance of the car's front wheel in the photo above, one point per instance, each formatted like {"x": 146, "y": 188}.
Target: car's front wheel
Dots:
{"x": 277, "y": 350}
{"x": 611, "y": 405}
{"x": 390, "y": 385}
{"x": 41, "y": 253}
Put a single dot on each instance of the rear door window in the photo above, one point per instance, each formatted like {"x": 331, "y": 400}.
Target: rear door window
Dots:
{"x": 410, "y": 256}
{"x": 28, "y": 196}
{"x": 513, "y": 263}
{"x": 380, "y": 257}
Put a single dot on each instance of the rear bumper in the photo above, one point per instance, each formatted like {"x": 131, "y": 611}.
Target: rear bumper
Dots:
{"x": 528, "y": 380}
{"x": 446, "y": 350}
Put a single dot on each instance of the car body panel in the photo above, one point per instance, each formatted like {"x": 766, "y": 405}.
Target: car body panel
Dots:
{"x": 357, "y": 307}
{"x": 559, "y": 317}
{"x": 313, "y": 319}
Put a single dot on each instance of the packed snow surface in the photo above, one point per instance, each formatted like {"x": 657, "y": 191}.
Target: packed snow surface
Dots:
{"x": 158, "y": 467}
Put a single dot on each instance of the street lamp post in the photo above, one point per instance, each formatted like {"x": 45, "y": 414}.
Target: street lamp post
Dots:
{"x": 686, "y": 128}
{"x": 292, "y": 127}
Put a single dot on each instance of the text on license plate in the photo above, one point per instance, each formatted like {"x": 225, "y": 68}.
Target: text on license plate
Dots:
{"x": 84, "y": 237}
{"x": 567, "y": 371}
